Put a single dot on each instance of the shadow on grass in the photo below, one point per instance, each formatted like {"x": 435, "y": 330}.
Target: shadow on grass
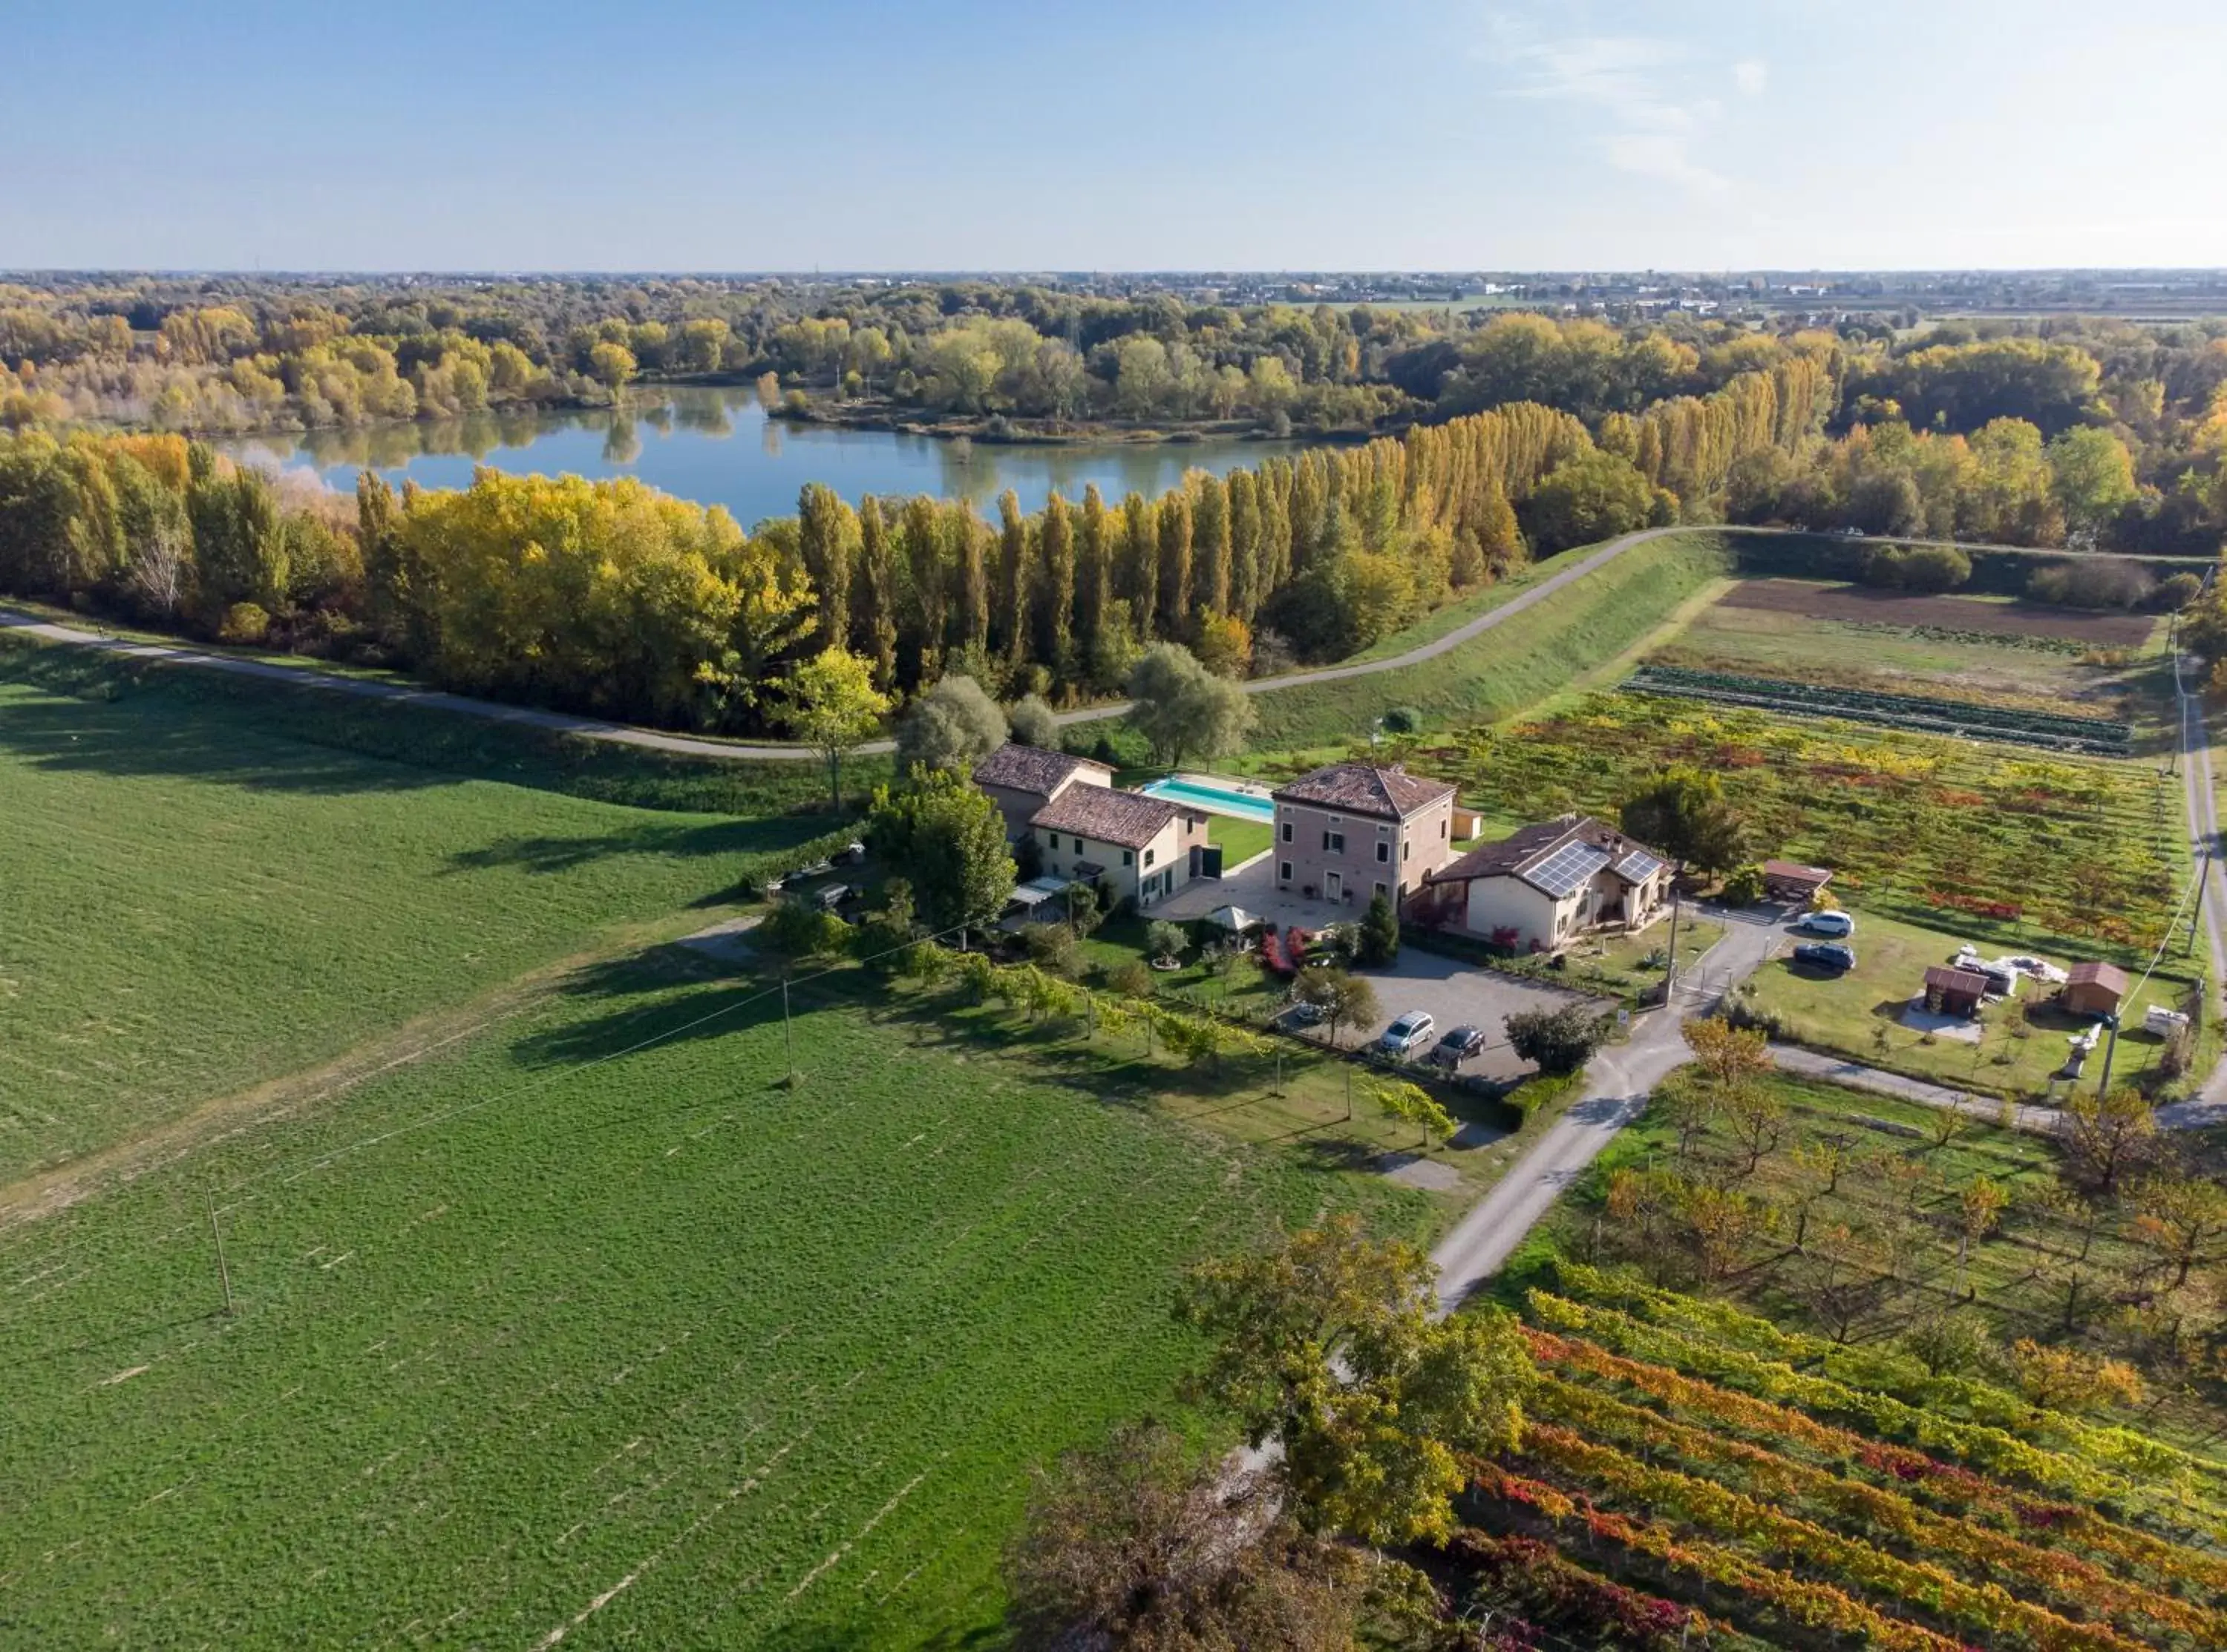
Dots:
{"x": 553, "y": 854}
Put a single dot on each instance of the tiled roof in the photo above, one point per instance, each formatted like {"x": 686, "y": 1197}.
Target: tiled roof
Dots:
{"x": 1362, "y": 789}
{"x": 1128, "y": 818}
{"x": 1951, "y": 979}
{"x": 1029, "y": 768}
{"x": 1526, "y": 851}
{"x": 2110, "y": 976}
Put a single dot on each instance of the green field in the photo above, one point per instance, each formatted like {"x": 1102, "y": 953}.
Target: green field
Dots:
{"x": 536, "y": 1321}
{"x": 1240, "y": 840}
{"x": 1530, "y": 658}
{"x": 198, "y": 902}
{"x": 2017, "y": 1053}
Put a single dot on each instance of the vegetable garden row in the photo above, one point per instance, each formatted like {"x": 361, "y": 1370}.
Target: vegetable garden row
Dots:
{"x": 1923, "y": 714}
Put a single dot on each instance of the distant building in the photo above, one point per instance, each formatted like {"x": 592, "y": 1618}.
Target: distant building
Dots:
{"x": 2094, "y": 989}
{"x": 1543, "y": 887}
{"x": 1021, "y": 780}
{"x": 1137, "y": 848}
{"x": 1351, "y": 830}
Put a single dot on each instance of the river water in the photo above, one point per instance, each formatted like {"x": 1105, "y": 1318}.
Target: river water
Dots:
{"x": 717, "y": 446}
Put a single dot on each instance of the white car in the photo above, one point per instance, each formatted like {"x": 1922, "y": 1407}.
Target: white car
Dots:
{"x": 1409, "y": 1033}
{"x": 1839, "y": 925}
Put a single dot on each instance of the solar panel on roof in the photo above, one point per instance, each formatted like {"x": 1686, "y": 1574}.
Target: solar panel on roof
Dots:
{"x": 1637, "y": 867}
{"x": 1567, "y": 868}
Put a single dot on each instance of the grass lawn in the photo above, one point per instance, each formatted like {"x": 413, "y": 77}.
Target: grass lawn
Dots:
{"x": 1240, "y": 840}
{"x": 198, "y": 902}
{"x": 540, "y": 1332}
{"x": 1514, "y": 665}
{"x": 1846, "y": 1015}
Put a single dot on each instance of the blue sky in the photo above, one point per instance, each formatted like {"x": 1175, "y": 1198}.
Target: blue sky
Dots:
{"x": 976, "y": 135}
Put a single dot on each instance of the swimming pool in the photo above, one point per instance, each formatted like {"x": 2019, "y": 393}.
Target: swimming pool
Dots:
{"x": 1215, "y": 800}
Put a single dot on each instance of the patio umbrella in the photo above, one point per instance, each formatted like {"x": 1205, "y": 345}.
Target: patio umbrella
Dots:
{"x": 1236, "y": 919}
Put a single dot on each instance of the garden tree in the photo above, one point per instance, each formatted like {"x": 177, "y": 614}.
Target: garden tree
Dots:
{"x": 2068, "y": 1379}
{"x": 1558, "y": 1041}
{"x": 1729, "y": 1058}
{"x": 1031, "y": 721}
{"x": 1411, "y": 1104}
{"x": 1717, "y": 1225}
{"x": 830, "y": 703}
{"x": 1377, "y": 945}
{"x": 1687, "y": 1103}
{"x": 799, "y": 929}
{"x": 239, "y": 540}
{"x": 1757, "y": 1117}
{"x": 953, "y": 725}
{"x": 1843, "y": 1278}
{"x": 888, "y": 930}
{"x": 827, "y": 538}
{"x": 950, "y": 839}
{"x": 1590, "y": 497}
{"x": 1224, "y": 644}
{"x": 1343, "y": 998}
{"x": 1331, "y": 1345}
{"x": 1949, "y": 1343}
{"x": 1945, "y": 1126}
{"x": 1052, "y": 948}
{"x": 1980, "y": 1208}
{"x": 1743, "y": 886}
{"x": 1683, "y": 813}
{"x": 1165, "y": 941}
{"x": 873, "y": 614}
{"x": 2109, "y": 1139}
{"x": 1143, "y": 1543}
{"x": 1183, "y": 709}
{"x": 2182, "y": 1218}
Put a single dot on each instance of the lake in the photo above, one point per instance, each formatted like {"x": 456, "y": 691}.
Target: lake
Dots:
{"x": 718, "y": 446}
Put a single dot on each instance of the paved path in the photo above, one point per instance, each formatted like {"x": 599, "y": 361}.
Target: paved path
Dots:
{"x": 1617, "y": 1086}
{"x": 2041, "y": 1121}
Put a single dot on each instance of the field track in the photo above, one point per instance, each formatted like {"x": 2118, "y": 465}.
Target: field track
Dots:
{"x": 1868, "y": 607}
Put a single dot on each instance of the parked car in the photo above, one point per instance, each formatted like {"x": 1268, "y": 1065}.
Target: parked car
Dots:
{"x": 1825, "y": 955}
{"x": 1302, "y": 1013}
{"x": 1409, "y": 1034}
{"x": 1837, "y": 924}
{"x": 835, "y": 896}
{"x": 849, "y": 853}
{"x": 1458, "y": 1046}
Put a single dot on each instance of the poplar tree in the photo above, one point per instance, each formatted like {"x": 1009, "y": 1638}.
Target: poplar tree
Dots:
{"x": 1009, "y": 629}
{"x": 1139, "y": 584}
{"x": 1245, "y": 591}
{"x": 827, "y": 540}
{"x": 1094, "y": 571}
{"x": 1175, "y": 564}
{"x": 1055, "y": 588}
{"x": 974, "y": 579}
{"x": 874, "y": 618}
{"x": 930, "y": 604}
{"x": 1210, "y": 545}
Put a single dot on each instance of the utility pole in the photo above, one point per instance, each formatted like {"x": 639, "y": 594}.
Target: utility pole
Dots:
{"x": 223, "y": 1273}
{"x": 2203, "y": 887}
{"x": 2103, "y": 1085}
{"x": 1670, "y": 975}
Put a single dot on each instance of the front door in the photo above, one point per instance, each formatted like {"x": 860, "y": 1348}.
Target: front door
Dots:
{"x": 1333, "y": 886}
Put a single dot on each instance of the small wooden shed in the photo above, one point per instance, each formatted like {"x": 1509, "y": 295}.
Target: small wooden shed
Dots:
{"x": 2094, "y": 989}
{"x": 1788, "y": 880}
{"x": 1950, "y": 991}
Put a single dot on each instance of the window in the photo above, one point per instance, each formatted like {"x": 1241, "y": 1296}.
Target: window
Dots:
{"x": 1127, "y": 857}
{"x": 1284, "y": 872}
{"x": 1442, "y": 831}
{"x": 1149, "y": 854}
{"x": 1383, "y": 854}
{"x": 1287, "y": 831}
{"x": 1406, "y": 850}
{"x": 1051, "y": 840}
{"x": 1333, "y": 843}
{"x": 1380, "y": 887}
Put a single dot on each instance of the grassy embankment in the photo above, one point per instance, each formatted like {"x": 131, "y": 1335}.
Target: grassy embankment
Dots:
{"x": 211, "y": 883}
{"x": 1528, "y": 658}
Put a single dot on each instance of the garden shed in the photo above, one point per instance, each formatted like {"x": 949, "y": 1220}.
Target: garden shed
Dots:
{"x": 1787, "y": 880}
{"x": 1950, "y": 991}
{"x": 2094, "y": 989}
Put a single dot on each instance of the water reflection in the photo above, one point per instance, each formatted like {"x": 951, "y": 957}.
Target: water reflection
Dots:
{"x": 680, "y": 439}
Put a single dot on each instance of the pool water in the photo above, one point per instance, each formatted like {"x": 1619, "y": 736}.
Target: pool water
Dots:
{"x": 1216, "y": 800}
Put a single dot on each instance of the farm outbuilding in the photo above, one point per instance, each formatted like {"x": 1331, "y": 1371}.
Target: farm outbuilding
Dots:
{"x": 1950, "y": 991}
{"x": 1788, "y": 880}
{"x": 2094, "y": 989}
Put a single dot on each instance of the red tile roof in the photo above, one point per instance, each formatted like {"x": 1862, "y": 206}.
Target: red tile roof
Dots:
{"x": 1362, "y": 789}
{"x": 1128, "y": 818}
{"x": 1031, "y": 768}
